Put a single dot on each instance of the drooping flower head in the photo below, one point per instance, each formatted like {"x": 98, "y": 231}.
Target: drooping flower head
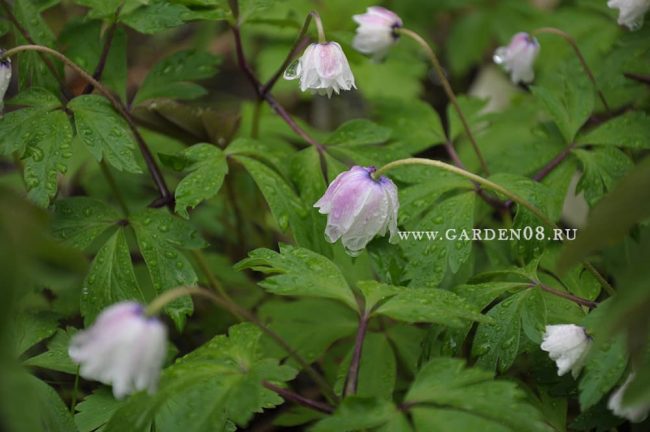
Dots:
{"x": 631, "y": 12}
{"x": 518, "y": 57}
{"x": 124, "y": 348}
{"x": 5, "y": 76}
{"x": 358, "y": 207}
{"x": 634, "y": 413}
{"x": 568, "y": 345}
{"x": 323, "y": 68}
{"x": 376, "y": 31}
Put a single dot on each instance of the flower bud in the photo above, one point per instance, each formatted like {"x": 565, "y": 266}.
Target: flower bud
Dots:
{"x": 124, "y": 348}
{"x": 376, "y": 31}
{"x": 323, "y": 68}
{"x": 5, "y": 77}
{"x": 634, "y": 413}
{"x": 631, "y": 12}
{"x": 518, "y": 57}
{"x": 358, "y": 208}
{"x": 567, "y": 345}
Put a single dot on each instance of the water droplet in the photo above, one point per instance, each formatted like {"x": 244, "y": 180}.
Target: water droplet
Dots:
{"x": 293, "y": 70}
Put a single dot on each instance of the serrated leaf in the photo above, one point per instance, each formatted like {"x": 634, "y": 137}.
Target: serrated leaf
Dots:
{"x": 29, "y": 329}
{"x": 170, "y": 77}
{"x": 224, "y": 377}
{"x": 448, "y": 385}
{"x": 47, "y": 155}
{"x": 359, "y": 132}
{"x": 630, "y": 130}
{"x": 36, "y": 97}
{"x": 208, "y": 168}
{"x": 95, "y": 410}
{"x": 56, "y": 357}
{"x": 156, "y": 16}
{"x": 78, "y": 221}
{"x": 297, "y": 271}
{"x": 603, "y": 168}
{"x": 110, "y": 279}
{"x": 430, "y": 305}
{"x": 160, "y": 236}
{"x": 104, "y": 132}
{"x": 363, "y": 413}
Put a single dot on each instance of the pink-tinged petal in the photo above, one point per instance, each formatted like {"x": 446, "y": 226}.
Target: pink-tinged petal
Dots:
{"x": 376, "y": 31}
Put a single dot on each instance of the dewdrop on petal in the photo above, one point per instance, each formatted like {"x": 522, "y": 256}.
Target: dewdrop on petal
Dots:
{"x": 631, "y": 12}
{"x": 5, "y": 77}
{"x": 567, "y": 345}
{"x": 323, "y": 69}
{"x": 358, "y": 208}
{"x": 634, "y": 413}
{"x": 124, "y": 348}
{"x": 518, "y": 57}
{"x": 376, "y": 31}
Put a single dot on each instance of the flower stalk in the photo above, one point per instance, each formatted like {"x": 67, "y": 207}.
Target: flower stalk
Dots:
{"x": 448, "y": 90}
{"x": 352, "y": 379}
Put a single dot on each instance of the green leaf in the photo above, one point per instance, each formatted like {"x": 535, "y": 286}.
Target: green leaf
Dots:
{"x": 603, "y": 168}
{"x": 496, "y": 344}
{"x": 468, "y": 40}
{"x": 471, "y": 108}
{"x": 110, "y": 279}
{"x": 30, "y": 329}
{"x": 160, "y": 236}
{"x": 430, "y": 305}
{"x": 104, "y": 132}
{"x": 630, "y": 130}
{"x": 363, "y": 413}
{"x": 446, "y": 384}
{"x": 569, "y": 101}
{"x": 428, "y": 259}
{"x": 36, "y": 97}
{"x": 309, "y": 325}
{"x": 156, "y": 16}
{"x": 17, "y": 129}
{"x": 359, "y": 132}
{"x": 170, "y": 78}
{"x": 296, "y": 271}
{"x": 48, "y": 152}
{"x": 95, "y": 410}
{"x": 55, "y": 416}
{"x": 56, "y": 357}
{"x": 603, "y": 369}
{"x": 223, "y": 377}
{"x": 208, "y": 168}
{"x": 107, "y": 8}
{"x": 78, "y": 221}
{"x": 377, "y": 370}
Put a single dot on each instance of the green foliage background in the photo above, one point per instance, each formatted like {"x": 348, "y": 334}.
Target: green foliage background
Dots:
{"x": 454, "y": 327}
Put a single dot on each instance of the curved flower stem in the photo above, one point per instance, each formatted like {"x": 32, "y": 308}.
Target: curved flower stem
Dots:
{"x": 353, "y": 371}
{"x": 166, "y": 198}
{"x": 450, "y": 92}
{"x": 571, "y": 41}
{"x": 294, "y": 49}
{"x": 168, "y": 296}
{"x": 319, "y": 27}
{"x": 556, "y": 292}
{"x": 495, "y": 187}
{"x": 103, "y": 57}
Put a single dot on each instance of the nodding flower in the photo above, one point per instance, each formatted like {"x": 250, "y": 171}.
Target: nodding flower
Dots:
{"x": 631, "y": 12}
{"x": 376, "y": 31}
{"x": 568, "y": 345}
{"x": 518, "y": 57}
{"x": 5, "y": 76}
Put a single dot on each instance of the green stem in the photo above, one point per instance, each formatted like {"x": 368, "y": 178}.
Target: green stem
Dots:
{"x": 473, "y": 177}
{"x": 75, "y": 391}
{"x": 319, "y": 27}
{"x": 448, "y": 90}
{"x": 495, "y": 187}
{"x": 212, "y": 280}
{"x": 571, "y": 41}
{"x": 255, "y": 128}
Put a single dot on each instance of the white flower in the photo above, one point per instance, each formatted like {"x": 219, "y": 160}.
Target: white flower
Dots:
{"x": 359, "y": 207}
{"x": 631, "y": 12}
{"x": 567, "y": 345}
{"x": 323, "y": 68}
{"x": 124, "y": 347}
{"x": 634, "y": 413}
{"x": 376, "y": 31}
{"x": 5, "y": 77}
{"x": 518, "y": 57}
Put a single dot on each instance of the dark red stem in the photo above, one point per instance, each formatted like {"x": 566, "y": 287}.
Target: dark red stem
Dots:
{"x": 300, "y": 400}
{"x": 355, "y": 363}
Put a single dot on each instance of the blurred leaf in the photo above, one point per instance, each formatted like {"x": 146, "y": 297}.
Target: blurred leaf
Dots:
{"x": 171, "y": 77}
{"x": 299, "y": 272}
{"x": 95, "y": 410}
{"x": 603, "y": 168}
{"x": 603, "y": 369}
{"x": 110, "y": 279}
{"x": 363, "y": 413}
{"x": 104, "y": 132}
{"x": 630, "y": 130}
{"x": 156, "y": 16}
{"x": 30, "y": 329}
{"x": 208, "y": 168}
{"x": 358, "y": 132}
{"x": 56, "y": 357}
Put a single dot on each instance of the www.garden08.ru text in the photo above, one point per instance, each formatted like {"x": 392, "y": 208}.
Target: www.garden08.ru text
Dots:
{"x": 490, "y": 234}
